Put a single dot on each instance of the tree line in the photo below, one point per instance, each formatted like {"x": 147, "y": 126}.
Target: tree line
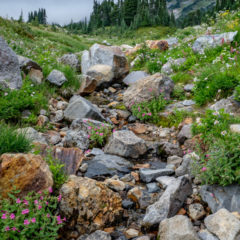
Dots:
{"x": 38, "y": 17}
{"x": 125, "y": 14}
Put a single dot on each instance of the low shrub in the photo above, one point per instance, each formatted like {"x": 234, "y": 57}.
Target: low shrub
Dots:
{"x": 12, "y": 141}
{"x": 237, "y": 93}
{"x": 149, "y": 110}
{"x": 32, "y": 217}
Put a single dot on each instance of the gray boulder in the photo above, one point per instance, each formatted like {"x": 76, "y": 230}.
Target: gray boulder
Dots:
{"x": 134, "y": 76}
{"x": 227, "y": 104}
{"x": 57, "y": 78}
{"x": 172, "y": 41}
{"x": 169, "y": 203}
{"x": 70, "y": 60}
{"x": 185, "y": 133}
{"x": 126, "y": 144}
{"x": 218, "y": 197}
{"x": 10, "y": 75}
{"x": 169, "y": 149}
{"x": 147, "y": 88}
{"x": 79, "y": 107}
{"x": 26, "y": 64}
{"x": 105, "y": 165}
{"x": 107, "y": 55}
{"x": 177, "y": 228}
{"x": 149, "y": 175}
{"x": 33, "y": 135}
{"x": 224, "y": 225}
{"x": 211, "y": 41}
{"x": 167, "y": 68}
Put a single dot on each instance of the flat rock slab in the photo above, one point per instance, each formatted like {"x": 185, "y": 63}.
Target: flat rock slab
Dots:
{"x": 134, "y": 76}
{"x": 105, "y": 165}
{"x": 149, "y": 175}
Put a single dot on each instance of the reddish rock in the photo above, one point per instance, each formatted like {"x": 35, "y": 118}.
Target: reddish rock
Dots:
{"x": 26, "y": 172}
{"x": 157, "y": 44}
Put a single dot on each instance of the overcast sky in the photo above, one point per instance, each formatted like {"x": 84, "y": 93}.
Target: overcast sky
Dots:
{"x": 60, "y": 11}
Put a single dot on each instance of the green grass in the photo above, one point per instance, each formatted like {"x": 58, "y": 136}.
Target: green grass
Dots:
{"x": 12, "y": 141}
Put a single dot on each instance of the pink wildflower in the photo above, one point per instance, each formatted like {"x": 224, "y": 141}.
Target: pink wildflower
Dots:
{"x": 25, "y": 202}
{"x": 89, "y": 128}
{"x": 33, "y": 220}
{"x": 41, "y": 198}
{"x": 25, "y": 211}
{"x": 39, "y": 207}
{"x": 14, "y": 229}
{"x": 4, "y": 216}
{"x": 149, "y": 114}
{"x": 18, "y": 201}
{"x": 35, "y": 202}
{"x": 46, "y": 203}
{"x": 143, "y": 115}
{"x": 114, "y": 130}
{"x": 26, "y": 222}
{"x": 59, "y": 198}
{"x": 97, "y": 133}
{"x": 204, "y": 169}
{"x": 12, "y": 216}
{"x": 7, "y": 228}
{"x": 48, "y": 215}
{"x": 50, "y": 190}
{"x": 88, "y": 136}
{"x": 101, "y": 134}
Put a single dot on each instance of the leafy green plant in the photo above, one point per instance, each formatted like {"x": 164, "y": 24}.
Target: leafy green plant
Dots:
{"x": 31, "y": 217}
{"x": 98, "y": 134}
{"x": 57, "y": 169}
{"x": 13, "y": 141}
{"x": 237, "y": 93}
{"x": 149, "y": 110}
{"x": 178, "y": 93}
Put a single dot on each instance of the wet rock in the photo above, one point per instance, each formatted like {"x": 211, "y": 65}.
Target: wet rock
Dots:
{"x": 108, "y": 55}
{"x": 102, "y": 74}
{"x": 196, "y": 211}
{"x": 169, "y": 203}
{"x": 107, "y": 165}
{"x": 169, "y": 149}
{"x": 149, "y": 175}
{"x": 177, "y": 228}
{"x": 89, "y": 204}
{"x": 218, "y": 197}
{"x": 134, "y": 76}
{"x": 71, "y": 60}
{"x": 81, "y": 108}
{"x": 26, "y": 172}
{"x": 57, "y": 78}
{"x": 147, "y": 88}
{"x": 223, "y": 224}
{"x": 126, "y": 144}
{"x": 10, "y": 75}
{"x": 211, "y": 41}
{"x": 185, "y": 133}
{"x": 206, "y": 235}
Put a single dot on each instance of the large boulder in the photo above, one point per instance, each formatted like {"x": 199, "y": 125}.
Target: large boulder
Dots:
{"x": 218, "y": 197}
{"x": 224, "y": 225}
{"x": 102, "y": 74}
{"x": 10, "y": 75}
{"x": 107, "y": 55}
{"x": 105, "y": 165}
{"x": 25, "y": 172}
{"x": 211, "y": 41}
{"x": 33, "y": 135}
{"x": 148, "y": 88}
{"x": 79, "y": 107}
{"x": 26, "y": 64}
{"x": 71, "y": 60}
{"x": 134, "y": 76}
{"x": 89, "y": 205}
{"x": 169, "y": 203}
{"x": 57, "y": 78}
{"x": 177, "y": 228}
{"x": 126, "y": 144}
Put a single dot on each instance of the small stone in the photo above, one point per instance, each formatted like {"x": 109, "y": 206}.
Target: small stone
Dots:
{"x": 235, "y": 128}
{"x": 131, "y": 233}
{"x": 127, "y": 204}
{"x": 189, "y": 87}
{"x": 83, "y": 167}
{"x": 153, "y": 187}
{"x": 115, "y": 185}
{"x": 57, "y": 78}
{"x": 42, "y": 120}
{"x": 149, "y": 175}
{"x": 196, "y": 211}
{"x": 112, "y": 90}
{"x": 174, "y": 160}
{"x": 206, "y": 235}
{"x": 99, "y": 235}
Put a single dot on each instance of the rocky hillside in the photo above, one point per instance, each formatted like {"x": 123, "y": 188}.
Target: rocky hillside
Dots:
{"x": 109, "y": 141}
{"x": 182, "y": 8}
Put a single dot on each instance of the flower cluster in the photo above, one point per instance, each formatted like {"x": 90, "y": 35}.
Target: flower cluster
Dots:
{"x": 31, "y": 217}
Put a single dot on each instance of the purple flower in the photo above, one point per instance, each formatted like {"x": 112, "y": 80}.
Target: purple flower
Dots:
{"x": 25, "y": 211}
{"x": 26, "y": 222}
{"x": 39, "y": 207}
{"x": 4, "y": 216}
{"x": 12, "y": 216}
{"x": 59, "y": 198}
{"x": 7, "y": 228}
{"x": 14, "y": 229}
{"x": 33, "y": 220}
{"x": 50, "y": 190}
